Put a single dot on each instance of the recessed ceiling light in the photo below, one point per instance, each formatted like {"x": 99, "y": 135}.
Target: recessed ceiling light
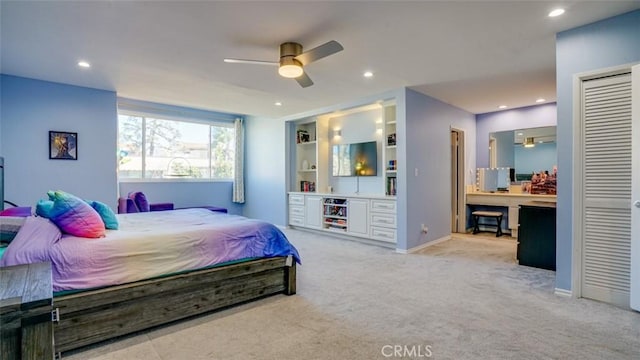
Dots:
{"x": 540, "y": 100}
{"x": 84, "y": 64}
{"x": 520, "y": 134}
{"x": 367, "y": 74}
{"x": 278, "y": 103}
{"x": 556, "y": 12}
{"x": 502, "y": 107}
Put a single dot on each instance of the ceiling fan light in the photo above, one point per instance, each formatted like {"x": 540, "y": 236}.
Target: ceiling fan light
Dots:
{"x": 290, "y": 71}
{"x": 290, "y": 67}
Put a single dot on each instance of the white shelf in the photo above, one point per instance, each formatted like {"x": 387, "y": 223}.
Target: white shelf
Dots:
{"x": 307, "y": 143}
{"x": 391, "y": 146}
{"x": 391, "y": 122}
{"x": 335, "y": 217}
{"x": 338, "y": 228}
{"x": 307, "y": 171}
{"x": 392, "y": 171}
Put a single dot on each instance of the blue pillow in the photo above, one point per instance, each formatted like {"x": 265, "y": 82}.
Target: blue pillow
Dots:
{"x": 108, "y": 216}
{"x": 44, "y": 208}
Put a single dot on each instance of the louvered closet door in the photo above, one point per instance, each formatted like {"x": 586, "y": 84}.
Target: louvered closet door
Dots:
{"x": 606, "y": 212}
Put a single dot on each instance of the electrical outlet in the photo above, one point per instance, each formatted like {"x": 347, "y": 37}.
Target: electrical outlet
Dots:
{"x": 423, "y": 228}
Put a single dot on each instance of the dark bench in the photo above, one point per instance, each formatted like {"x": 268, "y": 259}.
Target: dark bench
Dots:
{"x": 490, "y": 214}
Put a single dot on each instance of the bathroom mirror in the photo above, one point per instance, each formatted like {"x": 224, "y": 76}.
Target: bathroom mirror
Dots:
{"x": 492, "y": 179}
{"x": 524, "y": 150}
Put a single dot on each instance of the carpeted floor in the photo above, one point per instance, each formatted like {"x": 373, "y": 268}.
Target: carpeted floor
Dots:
{"x": 465, "y": 298}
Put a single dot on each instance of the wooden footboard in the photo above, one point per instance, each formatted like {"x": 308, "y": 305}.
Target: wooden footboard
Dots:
{"x": 93, "y": 316}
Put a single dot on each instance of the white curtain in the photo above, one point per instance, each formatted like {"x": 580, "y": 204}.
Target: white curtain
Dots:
{"x": 238, "y": 178}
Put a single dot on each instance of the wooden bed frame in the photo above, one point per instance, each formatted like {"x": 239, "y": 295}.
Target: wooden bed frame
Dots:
{"x": 92, "y": 316}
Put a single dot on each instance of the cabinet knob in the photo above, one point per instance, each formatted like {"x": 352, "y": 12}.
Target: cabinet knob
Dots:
{"x": 636, "y": 203}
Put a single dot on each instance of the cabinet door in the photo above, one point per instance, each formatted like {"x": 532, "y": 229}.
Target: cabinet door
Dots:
{"x": 357, "y": 217}
{"x": 313, "y": 213}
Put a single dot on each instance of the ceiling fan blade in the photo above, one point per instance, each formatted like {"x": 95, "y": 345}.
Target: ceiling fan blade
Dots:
{"x": 256, "y": 62}
{"x": 304, "y": 80}
{"x": 319, "y": 52}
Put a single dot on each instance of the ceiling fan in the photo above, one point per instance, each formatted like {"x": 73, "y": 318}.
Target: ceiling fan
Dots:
{"x": 292, "y": 60}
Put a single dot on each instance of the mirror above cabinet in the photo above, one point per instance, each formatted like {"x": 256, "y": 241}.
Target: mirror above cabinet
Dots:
{"x": 527, "y": 151}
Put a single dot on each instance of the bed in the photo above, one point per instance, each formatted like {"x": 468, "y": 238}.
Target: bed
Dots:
{"x": 157, "y": 268}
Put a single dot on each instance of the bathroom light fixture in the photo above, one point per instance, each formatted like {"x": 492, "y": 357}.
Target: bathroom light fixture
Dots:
{"x": 84, "y": 64}
{"x": 556, "y": 12}
{"x": 529, "y": 142}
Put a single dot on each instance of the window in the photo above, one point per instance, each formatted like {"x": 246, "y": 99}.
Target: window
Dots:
{"x": 156, "y": 148}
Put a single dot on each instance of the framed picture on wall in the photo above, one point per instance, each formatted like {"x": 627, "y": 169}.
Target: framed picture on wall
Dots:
{"x": 63, "y": 145}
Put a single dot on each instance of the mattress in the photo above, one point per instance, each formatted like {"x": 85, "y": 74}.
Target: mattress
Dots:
{"x": 153, "y": 244}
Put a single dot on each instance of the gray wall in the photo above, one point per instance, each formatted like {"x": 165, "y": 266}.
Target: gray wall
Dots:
{"x": 265, "y": 189}
{"x": 29, "y": 110}
{"x": 606, "y": 43}
{"x": 427, "y": 138}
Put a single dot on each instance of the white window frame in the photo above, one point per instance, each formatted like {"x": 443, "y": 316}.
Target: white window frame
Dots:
{"x": 144, "y": 115}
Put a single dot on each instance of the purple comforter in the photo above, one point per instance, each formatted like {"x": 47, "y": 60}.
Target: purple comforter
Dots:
{"x": 146, "y": 245}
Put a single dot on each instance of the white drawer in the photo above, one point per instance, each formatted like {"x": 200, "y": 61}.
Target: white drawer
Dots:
{"x": 296, "y": 210}
{"x": 387, "y": 206}
{"x": 384, "y": 220}
{"x": 295, "y": 199}
{"x": 383, "y": 234}
{"x": 296, "y": 221}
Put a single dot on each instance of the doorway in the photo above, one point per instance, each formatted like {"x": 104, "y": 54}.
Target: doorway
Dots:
{"x": 458, "y": 210}
{"x": 602, "y": 229}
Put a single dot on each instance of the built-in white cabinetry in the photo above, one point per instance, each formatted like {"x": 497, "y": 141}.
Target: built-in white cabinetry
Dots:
{"x": 313, "y": 211}
{"x": 383, "y": 220}
{"x": 356, "y": 205}
{"x": 370, "y": 217}
{"x": 390, "y": 154}
{"x": 296, "y": 210}
{"x": 358, "y": 220}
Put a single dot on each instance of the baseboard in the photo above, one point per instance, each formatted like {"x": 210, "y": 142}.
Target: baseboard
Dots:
{"x": 563, "y": 292}
{"x": 424, "y": 246}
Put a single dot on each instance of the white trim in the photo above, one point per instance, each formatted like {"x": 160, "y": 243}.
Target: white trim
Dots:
{"x": 424, "y": 246}
{"x": 169, "y": 180}
{"x": 578, "y": 168}
{"x": 563, "y": 292}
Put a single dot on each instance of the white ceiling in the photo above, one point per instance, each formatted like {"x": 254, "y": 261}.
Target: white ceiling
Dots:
{"x": 472, "y": 54}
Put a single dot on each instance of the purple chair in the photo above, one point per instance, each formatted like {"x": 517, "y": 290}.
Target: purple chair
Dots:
{"x": 137, "y": 202}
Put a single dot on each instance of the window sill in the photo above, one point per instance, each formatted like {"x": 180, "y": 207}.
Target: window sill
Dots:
{"x": 175, "y": 180}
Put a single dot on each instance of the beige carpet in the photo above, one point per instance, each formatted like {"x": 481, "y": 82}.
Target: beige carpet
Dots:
{"x": 462, "y": 299}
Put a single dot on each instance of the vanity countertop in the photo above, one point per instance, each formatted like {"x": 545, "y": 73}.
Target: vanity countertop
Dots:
{"x": 510, "y": 194}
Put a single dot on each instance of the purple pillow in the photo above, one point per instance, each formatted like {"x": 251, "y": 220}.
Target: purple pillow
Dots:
{"x": 74, "y": 216}
{"x": 37, "y": 233}
{"x": 140, "y": 200}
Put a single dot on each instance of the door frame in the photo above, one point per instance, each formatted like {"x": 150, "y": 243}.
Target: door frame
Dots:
{"x": 578, "y": 169}
{"x": 461, "y": 181}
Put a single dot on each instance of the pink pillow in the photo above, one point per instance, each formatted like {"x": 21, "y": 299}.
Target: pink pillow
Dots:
{"x": 74, "y": 216}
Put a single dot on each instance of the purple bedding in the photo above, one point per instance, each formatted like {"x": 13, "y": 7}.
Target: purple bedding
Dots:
{"x": 147, "y": 245}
